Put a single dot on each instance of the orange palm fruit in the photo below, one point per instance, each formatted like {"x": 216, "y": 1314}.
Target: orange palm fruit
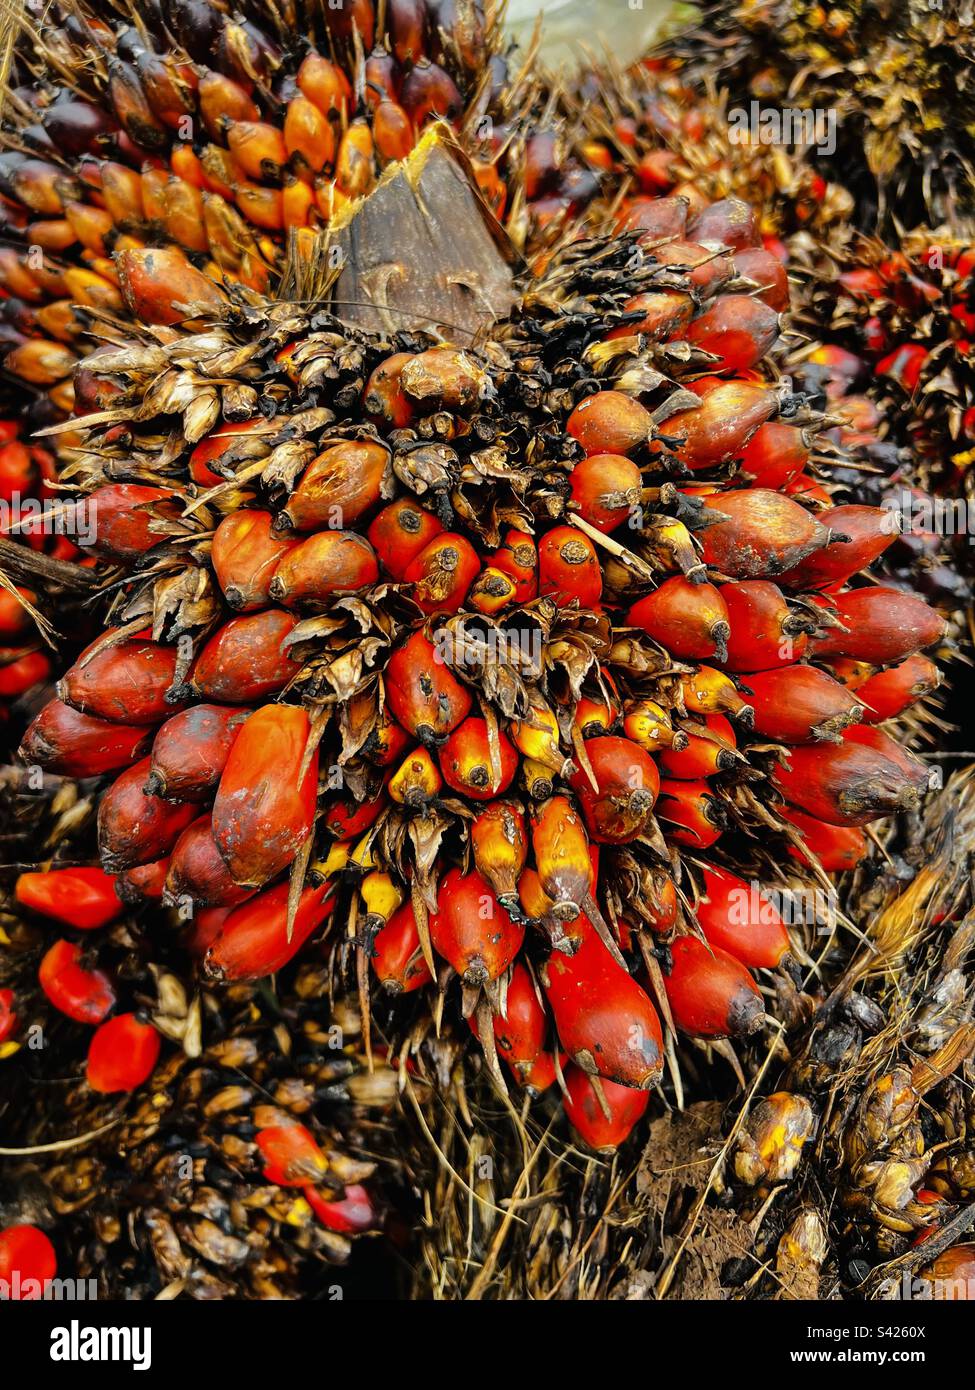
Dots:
{"x": 517, "y": 557}
{"x": 297, "y": 202}
{"x": 655, "y": 217}
{"x": 537, "y": 737}
{"x": 869, "y": 531}
{"x": 423, "y": 694}
{"x": 131, "y": 682}
{"x": 775, "y": 454}
{"x": 800, "y": 704}
{"x": 291, "y": 1156}
{"x": 262, "y": 206}
{"x": 442, "y": 573}
{"x": 197, "y": 871}
{"x": 342, "y": 483}
{"x": 729, "y": 221}
{"x": 610, "y": 423}
{"x": 648, "y": 724}
{"x": 122, "y": 1054}
{"x": 121, "y": 189}
{"x": 230, "y": 443}
{"x": 737, "y": 917}
{"x": 765, "y": 534}
{"x": 627, "y": 782}
{"x": 83, "y": 898}
{"x": 688, "y": 620}
{"x": 384, "y": 400}
{"x": 157, "y": 284}
{"x": 492, "y": 591}
{"x": 308, "y": 134}
{"x": 466, "y": 761}
{"x": 604, "y": 1020}
{"x": 392, "y": 131}
{"x": 387, "y": 742}
{"x": 691, "y": 813}
{"x": 19, "y": 670}
{"x": 706, "y": 269}
{"x": 443, "y": 378}
{"x": 765, "y": 633}
{"x": 500, "y": 847}
{"x": 77, "y": 745}
{"x": 397, "y": 957}
{"x": 84, "y": 995}
{"x": 246, "y": 659}
{"x": 183, "y": 215}
{"x": 244, "y": 553}
{"x": 253, "y": 940}
{"x": 708, "y": 691}
{"x": 14, "y": 617}
{"x": 471, "y": 930}
{"x": 328, "y": 563}
{"x": 880, "y": 626}
{"x": 221, "y": 98}
{"x": 416, "y": 780}
{"x": 605, "y": 489}
{"x": 258, "y": 147}
{"x": 767, "y": 272}
{"x": 663, "y": 314}
{"x": 890, "y": 692}
{"x": 600, "y": 1130}
{"x": 354, "y": 167}
{"x": 950, "y": 1275}
{"x": 718, "y": 429}
{"x": 844, "y": 783}
{"x": 136, "y": 828}
{"x": 519, "y": 1032}
{"x": 324, "y": 83}
{"x": 737, "y": 329}
{"x": 664, "y": 906}
{"x": 568, "y": 567}
{"x": 836, "y": 847}
{"x": 710, "y": 747}
{"x": 143, "y": 884}
{"x": 40, "y": 362}
{"x": 265, "y": 804}
{"x": 561, "y": 850}
{"x": 711, "y": 995}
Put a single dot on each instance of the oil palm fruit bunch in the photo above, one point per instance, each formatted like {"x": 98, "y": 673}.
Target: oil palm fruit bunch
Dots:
{"x": 895, "y": 74}
{"x": 482, "y": 657}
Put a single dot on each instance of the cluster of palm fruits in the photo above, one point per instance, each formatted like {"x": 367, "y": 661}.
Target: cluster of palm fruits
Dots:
{"x": 485, "y": 656}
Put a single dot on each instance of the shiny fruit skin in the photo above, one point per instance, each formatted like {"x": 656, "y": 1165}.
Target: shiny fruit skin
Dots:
{"x": 422, "y": 693}
{"x": 83, "y": 995}
{"x": 736, "y": 917}
{"x": 27, "y": 1262}
{"x": 711, "y": 995}
{"x": 122, "y": 1054}
{"x": 626, "y": 1108}
{"x": 471, "y": 929}
{"x": 83, "y": 898}
{"x": 628, "y": 783}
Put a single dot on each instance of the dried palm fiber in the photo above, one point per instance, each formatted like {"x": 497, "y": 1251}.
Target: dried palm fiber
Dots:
{"x": 896, "y": 73}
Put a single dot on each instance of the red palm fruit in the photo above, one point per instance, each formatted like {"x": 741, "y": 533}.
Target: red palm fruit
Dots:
{"x": 605, "y": 1021}
{"x": 190, "y": 751}
{"x": 422, "y": 693}
{"x": 471, "y": 929}
{"x": 22, "y": 672}
{"x": 352, "y": 1212}
{"x": 14, "y": 617}
{"x": 664, "y": 908}
{"x": 500, "y": 847}
{"x": 880, "y": 626}
{"x": 159, "y": 285}
{"x": 628, "y": 783}
{"x": 328, "y": 563}
{"x": 8, "y": 1018}
{"x": 198, "y": 873}
{"x": 384, "y": 400}
{"x": 655, "y": 217}
{"x": 342, "y": 483}
{"x": 429, "y": 91}
{"x": 122, "y": 1054}
{"x": 27, "y": 1262}
{"x": 837, "y": 847}
{"x": 291, "y": 1156}
{"x": 730, "y": 222}
{"x": 400, "y": 532}
{"x": 76, "y": 745}
{"x": 517, "y": 557}
{"x": 246, "y": 660}
{"x": 346, "y": 818}
{"x": 710, "y": 748}
{"x": 520, "y": 1032}
{"x": 263, "y": 813}
{"x": 705, "y": 269}
{"x": 951, "y": 1275}
{"x": 121, "y": 521}
{"x": 245, "y": 553}
{"x": 442, "y": 573}
{"x": 130, "y": 682}
{"x": 890, "y": 692}
{"x": 230, "y": 438}
{"x": 767, "y": 272}
{"x": 84, "y": 995}
{"x": 561, "y": 850}
{"x": 143, "y": 884}
{"x": 764, "y": 631}
{"x": 868, "y": 736}
{"x": 253, "y": 940}
{"x": 397, "y": 957}
{"x": 870, "y": 532}
{"x": 708, "y": 691}
{"x": 844, "y": 783}
{"x": 466, "y": 764}
{"x": 610, "y": 423}
{"x": 601, "y": 1131}
{"x": 83, "y": 898}
{"x": 775, "y": 454}
{"x": 664, "y": 313}
{"x": 692, "y": 814}
{"x": 736, "y": 917}
{"x": 605, "y": 489}
{"x": 764, "y": 534}
{"x": 711, "y": 995}
{"x": 688, "y": 620}
{"x": 800, "y": 704}
{"x": 807, "y": 490}
{"x": 387, "y": 742}
{"x": 737, "y": 329}
{"x": 568, "y": 567}
{"x": 718, "y": 429}
{"x": 135, "y": 828}
{"x": 407, "y": 23}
